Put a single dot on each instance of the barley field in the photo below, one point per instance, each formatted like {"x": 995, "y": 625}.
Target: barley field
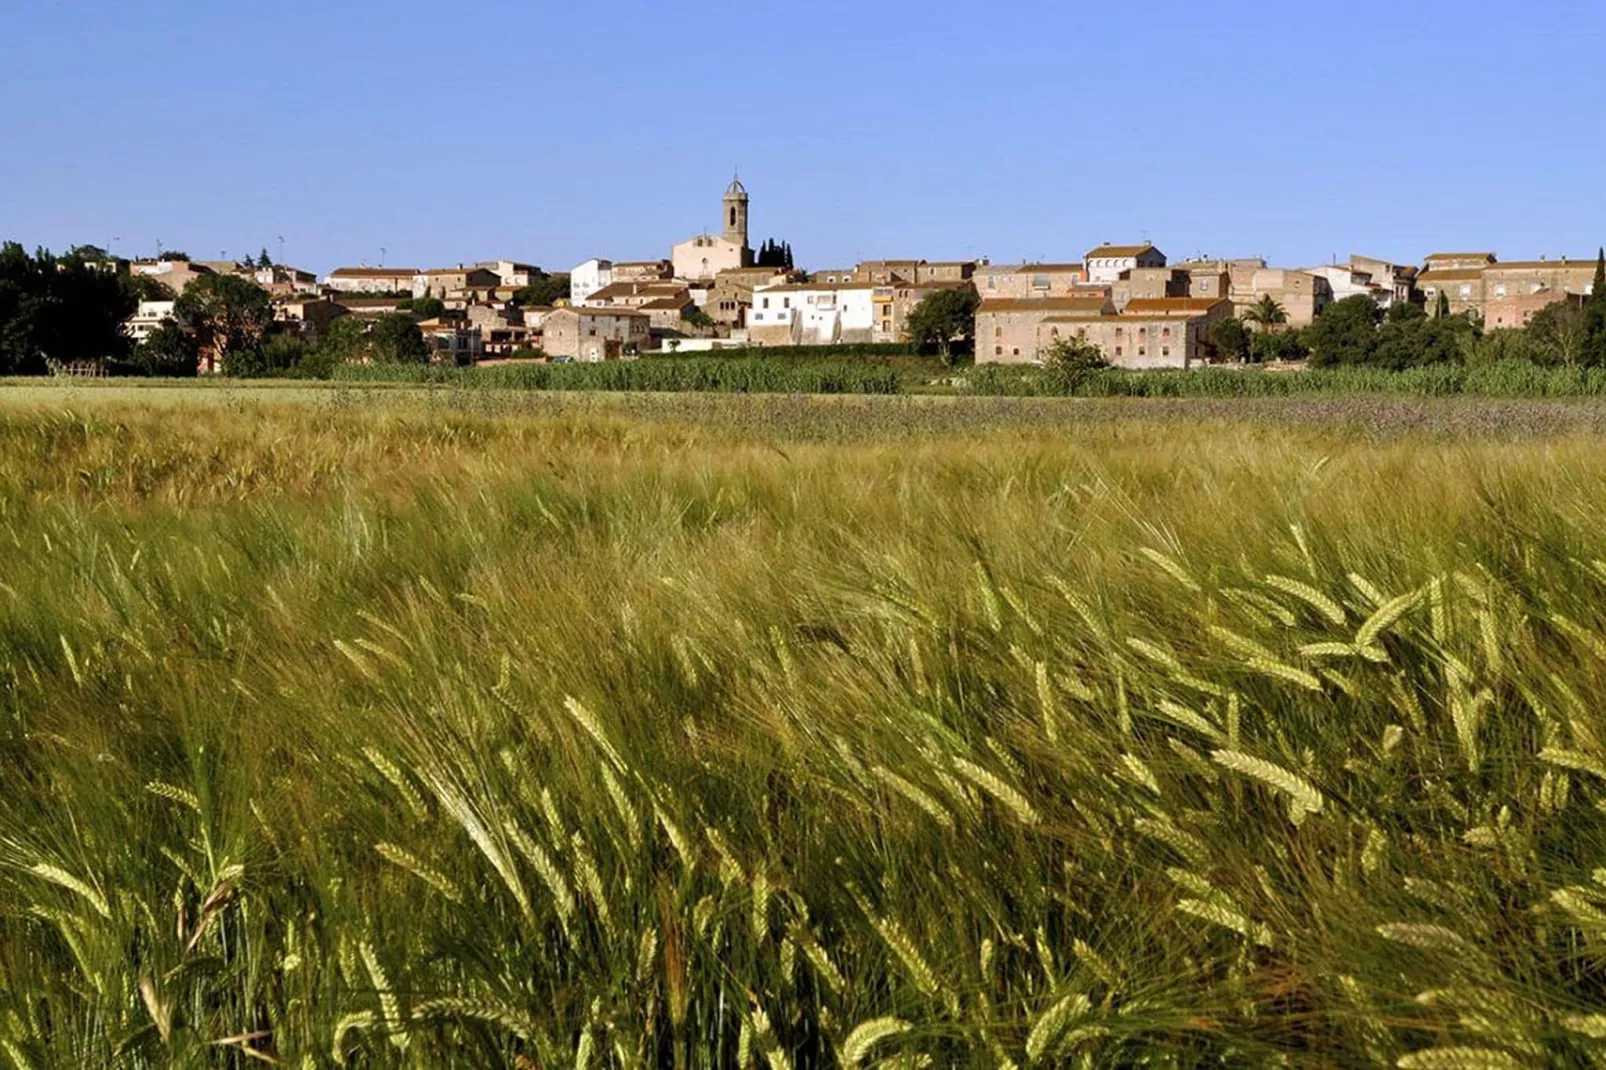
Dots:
{"x": 405, "y": 729}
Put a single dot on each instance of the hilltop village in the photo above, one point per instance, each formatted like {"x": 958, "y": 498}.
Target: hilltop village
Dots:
{"x": 1128, "y": 303}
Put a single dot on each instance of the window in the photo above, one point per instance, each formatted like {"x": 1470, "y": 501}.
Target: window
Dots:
{"x": 992, "y": 283}
{"x": 998, "y": 332}
{"x": 766, "y": 302}
{"x": 786, "y": 302}
{"x": 1118, "y": 351}
{"x": 1142, "y": 350}
{"x": 1165, "y": 351}
{"x": 1165, "y": 333}
{"x": 1120, "y": 332}
{"x": 1466, "y": 290}
{"x": 1500, "y": 291}
{"x": 998, "y": 351}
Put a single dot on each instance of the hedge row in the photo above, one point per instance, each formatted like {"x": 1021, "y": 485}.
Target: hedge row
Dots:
{"x": 711, "y": 374}
{"x": 1519, "y": 379}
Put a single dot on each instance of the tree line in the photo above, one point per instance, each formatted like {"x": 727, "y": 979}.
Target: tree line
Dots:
{"x": 1357, "y": 332}
{"x": 71, "y": 308}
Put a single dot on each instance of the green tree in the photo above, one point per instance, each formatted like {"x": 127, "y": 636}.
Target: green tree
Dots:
{"x": 264, "y": 261}
{"x": 1404, "y": 311}
{"x": 1560, "y": 333}
{"x": 425, "y": 308}
{"x": 1344, "y": 333}
{"x": 169, "y": 350}
{"x": 942, "y": 318}
{"x": 697, "y": 318}
{"x": 1231, "y": 339}
{"x": 395, "y": 339}
{"x": 543, "y": 292}
{"x": 148, "y": 288}
{"x": 1070, "y": 361}
{"x": 1266, "y": 313}
{"x": 229, "y": 315}
{"x": 1417, "y": 342}
{"x": 1266, "y": 347}
{"x": 1595, "y": 316}
{"x": 1441, "y": 307}
{"x": 64, "y": 308}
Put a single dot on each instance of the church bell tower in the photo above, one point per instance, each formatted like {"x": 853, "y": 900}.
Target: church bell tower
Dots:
{"x": 735, "y": 215}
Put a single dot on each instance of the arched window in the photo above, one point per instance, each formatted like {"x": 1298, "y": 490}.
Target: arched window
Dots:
{"x": 733, "y": 215}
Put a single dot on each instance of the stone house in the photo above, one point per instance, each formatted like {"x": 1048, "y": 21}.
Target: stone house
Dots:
{"x": 1397, "y": 280}
{"x": 1161, "y": 332}
{"x": 1027, "y": 280}
{"x": 1016, "y": 330}
{"x": 732, "y": 293}
{"x": 310, "y": 315}
{"x": 1514, "y": 278}
{"x": 1518, "y": 308}
{"x": 668, "y": 313}
{"x": 914, "y": 271}
{"x": 512, "y": 274}
{"x": 1302, "y": 295}
{"x": 1463, "y": 287}
{"x": 442, "y": 282}
{"x": 892, "y": 303}
{"x": 1457, "y": 261}
{"x": 1146, "y": 282}
{"x": 642, "y": 271}
{"x": 452, "y": 341}
{"x": 633, "y": 294}
{"x": 595, "y": 334}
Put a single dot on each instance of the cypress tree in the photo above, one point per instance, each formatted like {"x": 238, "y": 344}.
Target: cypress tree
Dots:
{"x": 1595, "y": 316}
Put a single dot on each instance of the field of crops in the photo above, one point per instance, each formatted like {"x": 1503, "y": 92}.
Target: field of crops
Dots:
{"x": 490, "y": 729}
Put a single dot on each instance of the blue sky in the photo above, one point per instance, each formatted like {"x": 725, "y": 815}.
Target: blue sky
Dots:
{"x": 554, "y": 132}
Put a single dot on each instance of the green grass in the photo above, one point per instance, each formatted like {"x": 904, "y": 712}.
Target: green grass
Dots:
{"x": 413, "y": 729}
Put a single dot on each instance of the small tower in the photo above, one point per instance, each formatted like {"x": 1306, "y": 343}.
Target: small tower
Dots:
{"x": 735, "y": 215}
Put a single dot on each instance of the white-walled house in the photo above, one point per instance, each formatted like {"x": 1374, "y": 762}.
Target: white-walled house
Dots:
{"x": 1105, "y": 264}
{"x": 587, "y": 278}
{"x": 812, "y": 314}
{"x": 146, "y": 318}
{"x": 371, "y": 280}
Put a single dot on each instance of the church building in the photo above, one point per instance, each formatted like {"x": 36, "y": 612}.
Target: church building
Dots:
{"x": 705, "y": 256}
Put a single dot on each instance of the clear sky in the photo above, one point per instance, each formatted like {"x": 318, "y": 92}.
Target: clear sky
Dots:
{"x": 876, "y": 128}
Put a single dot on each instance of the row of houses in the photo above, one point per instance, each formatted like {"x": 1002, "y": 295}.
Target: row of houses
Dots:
{"x": 1138, "y": 308}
